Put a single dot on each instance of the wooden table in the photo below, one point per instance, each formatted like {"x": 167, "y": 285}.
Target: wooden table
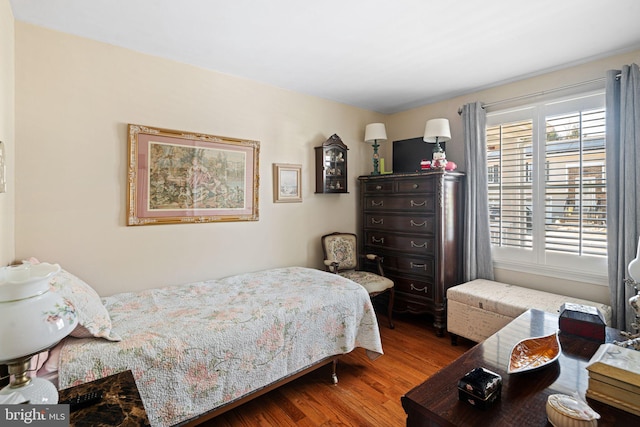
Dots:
{"x": 120, "y": 405}
{"x": 524, "y": 396}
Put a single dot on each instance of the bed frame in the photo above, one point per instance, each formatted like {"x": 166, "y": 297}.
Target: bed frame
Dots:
{"x": 333, "y": 360}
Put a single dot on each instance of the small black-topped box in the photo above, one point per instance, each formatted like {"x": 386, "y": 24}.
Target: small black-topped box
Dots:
{"x": 480, "y": 387}
{"x": 582, "y": 320}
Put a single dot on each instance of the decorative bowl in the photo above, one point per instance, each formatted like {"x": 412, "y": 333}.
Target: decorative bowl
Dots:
{"x": 534, "y": 353}
{"x": 569, "y": 411}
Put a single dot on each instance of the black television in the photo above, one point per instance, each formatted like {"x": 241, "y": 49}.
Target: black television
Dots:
{"x": 408, "y": 153}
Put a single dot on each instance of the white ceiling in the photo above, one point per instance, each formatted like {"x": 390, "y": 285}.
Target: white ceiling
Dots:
{"x": 381, "y": 55}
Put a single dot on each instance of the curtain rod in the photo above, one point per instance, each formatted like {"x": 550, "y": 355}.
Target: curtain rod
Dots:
{"x": 544, "y": 92}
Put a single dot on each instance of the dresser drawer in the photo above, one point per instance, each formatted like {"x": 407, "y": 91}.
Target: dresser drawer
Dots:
{"x": 410, "y": 303}
{"x": 417, "y": 244}
{"x": 418, "y": 203}
{"x": 421, "y": 267}
{"x": 378, "y": 187}
{"x": 415, "y": 287}
{"x": 416, "y": 185}
{"x": 401, "y": 223}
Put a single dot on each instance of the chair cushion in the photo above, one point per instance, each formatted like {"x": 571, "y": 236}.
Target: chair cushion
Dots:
{"x": 370, "y": 281}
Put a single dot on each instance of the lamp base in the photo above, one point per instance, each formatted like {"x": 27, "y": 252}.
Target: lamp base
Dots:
{"x": 37, "y": 392}
{"x": 376, "y": 157}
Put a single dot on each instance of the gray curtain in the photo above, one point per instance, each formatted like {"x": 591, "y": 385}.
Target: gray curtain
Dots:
{"x": 478, "y": 263}
{"x": 623, "y": 185}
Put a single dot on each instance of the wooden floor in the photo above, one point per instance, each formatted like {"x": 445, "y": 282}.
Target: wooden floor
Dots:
{"x": 368, "y": 392}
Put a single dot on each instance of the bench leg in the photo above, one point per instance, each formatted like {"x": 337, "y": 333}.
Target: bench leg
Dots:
{"x": 454, "y": 339}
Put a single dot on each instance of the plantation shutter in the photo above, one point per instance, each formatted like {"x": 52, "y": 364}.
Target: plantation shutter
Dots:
{"x": 575, "y": 183}
{"x": 509, "y": 157}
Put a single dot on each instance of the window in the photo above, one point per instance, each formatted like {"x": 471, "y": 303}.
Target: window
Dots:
{"x": 494, "y": 174}
{"x": 547, "y": 188}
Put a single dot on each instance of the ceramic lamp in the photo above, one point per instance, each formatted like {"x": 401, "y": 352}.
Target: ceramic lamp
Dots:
{"x": 32, "y": 319}
{"x": 435, "y": 132}
{"x": 634, "y": 273}
{"x": 634, "y": 265}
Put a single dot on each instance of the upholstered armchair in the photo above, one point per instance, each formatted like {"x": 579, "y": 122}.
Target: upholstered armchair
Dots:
{"x": 341, "y": 257}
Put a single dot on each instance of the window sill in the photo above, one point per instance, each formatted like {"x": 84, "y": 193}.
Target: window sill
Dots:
{"x": 554, "y": 272}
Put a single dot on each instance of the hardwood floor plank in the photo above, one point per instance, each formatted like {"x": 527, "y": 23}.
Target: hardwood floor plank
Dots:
{"x": 368, "y": 392}
{"x": 315, "y": 415}
{"x": 289, "y": 407}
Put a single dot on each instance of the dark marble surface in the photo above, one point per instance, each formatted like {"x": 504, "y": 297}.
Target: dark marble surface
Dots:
{"x": 120, "y": 405}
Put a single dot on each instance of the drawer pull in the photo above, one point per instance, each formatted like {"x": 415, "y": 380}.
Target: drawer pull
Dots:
{"x": 374, "y": 240}
{"x": 425, "y": 289}
{"x": 377, "y": 204}
{"x": 415, "y": 245}
{"x": 414, "y": 204}
{"x": 378, "y": 187}
{"x": 415, "y": 186}
{"x": 377, "y": 221}
{"x": 422, "y": 266}
{"x": 415, "y": 224}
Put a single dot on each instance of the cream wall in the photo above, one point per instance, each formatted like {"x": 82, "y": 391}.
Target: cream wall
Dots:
{"x": 411, "y": 123}
{"x": 7, "y": 130}
{"x": 74, "y": 98}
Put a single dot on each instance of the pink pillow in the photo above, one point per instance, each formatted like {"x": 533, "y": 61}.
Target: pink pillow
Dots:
{"x": 38, "y": 362}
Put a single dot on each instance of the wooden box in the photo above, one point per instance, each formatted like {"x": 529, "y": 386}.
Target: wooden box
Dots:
{"x": 614, "y": 377}
{"x": 582, "y": 320}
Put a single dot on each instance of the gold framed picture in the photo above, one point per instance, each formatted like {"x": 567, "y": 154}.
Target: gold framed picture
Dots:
{"x": 287, "y": 183}
{"x": 182, "y": 177}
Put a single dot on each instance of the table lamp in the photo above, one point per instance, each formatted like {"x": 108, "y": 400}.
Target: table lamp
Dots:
{"x": 375, "y": 132}
{"x": 634, "y": 266}
{"x": 634, "y": 273}
{"x": 437, "y": 131}
{"x": 634, "y": 279}
{"x": 32, "y": 319}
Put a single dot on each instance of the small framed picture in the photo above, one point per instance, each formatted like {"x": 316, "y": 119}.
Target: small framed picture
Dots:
{"x": 287, "y": 183}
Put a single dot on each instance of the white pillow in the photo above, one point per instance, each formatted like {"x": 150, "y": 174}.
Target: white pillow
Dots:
{"x": 93, "y": 318}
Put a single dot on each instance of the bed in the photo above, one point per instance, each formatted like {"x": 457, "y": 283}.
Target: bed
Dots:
{"x": 200, "y": 348}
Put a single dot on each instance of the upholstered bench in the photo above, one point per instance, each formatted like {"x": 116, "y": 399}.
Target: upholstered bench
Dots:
{"x": 478, "y": 309}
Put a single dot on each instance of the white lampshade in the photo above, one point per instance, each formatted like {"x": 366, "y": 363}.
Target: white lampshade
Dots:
{"x": 437, "y": 128}
{"x": 634, "y": 265}
{"x": 32, "y": 319}
{"x": 375, "y": 132}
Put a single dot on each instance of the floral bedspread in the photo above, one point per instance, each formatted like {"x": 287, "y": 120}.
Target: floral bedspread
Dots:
{"x": 194, "y": 347}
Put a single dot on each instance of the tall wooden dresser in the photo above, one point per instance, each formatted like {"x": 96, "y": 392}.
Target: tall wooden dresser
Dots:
{"x": 415, "y": 222}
